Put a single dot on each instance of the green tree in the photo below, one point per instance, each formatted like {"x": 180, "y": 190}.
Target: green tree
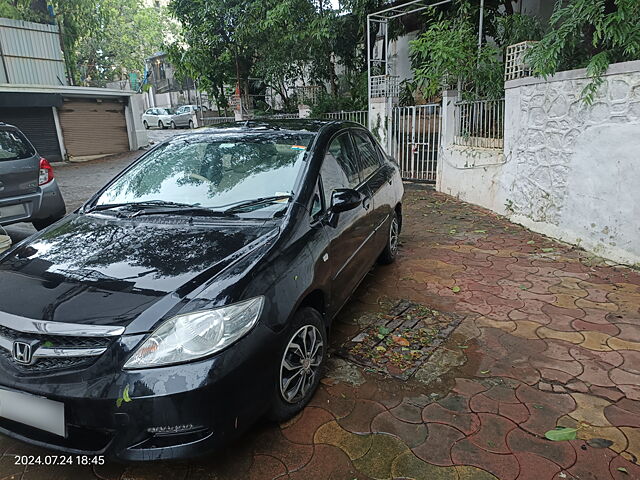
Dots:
{"x": 591, "y": 34}
{"x": 128, "y": 34}
{"x": 446, "y": 55}
{"x": 102, "y": 39}
{"x": 280, "y": 42}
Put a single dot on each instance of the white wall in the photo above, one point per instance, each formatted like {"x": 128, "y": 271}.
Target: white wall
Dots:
{"x": 135, "y": 129}
{"x": 568, "y": 170}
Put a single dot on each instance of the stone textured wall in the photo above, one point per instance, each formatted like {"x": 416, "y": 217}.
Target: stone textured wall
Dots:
{"x": 546, "y": 121}
{"x": 568, "y": 170}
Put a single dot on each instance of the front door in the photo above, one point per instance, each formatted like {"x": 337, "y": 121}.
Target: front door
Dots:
{"x": 350, "y": 233}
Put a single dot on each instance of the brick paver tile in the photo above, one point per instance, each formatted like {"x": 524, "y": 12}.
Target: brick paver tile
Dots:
{"x": 304, "y": 428}
{"x": 492, "y": 435}
{"x": 436, "y": 449}
{"x": 533, "y": 466}
{"x": 560, "y": 453}
{"x": 505, "y": 467}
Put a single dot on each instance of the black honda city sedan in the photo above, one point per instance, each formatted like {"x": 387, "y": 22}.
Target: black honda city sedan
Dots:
{"x": 194, "y": 293}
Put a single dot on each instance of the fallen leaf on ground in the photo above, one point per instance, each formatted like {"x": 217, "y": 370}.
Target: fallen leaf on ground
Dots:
{"x": 561, "y": 434}
{"x": 400, "y": 340}
{"x": 599, "y": 443}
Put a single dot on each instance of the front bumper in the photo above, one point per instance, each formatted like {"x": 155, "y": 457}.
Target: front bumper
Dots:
{"x": 45, "y": 203}
{"x": 213, "y": 401}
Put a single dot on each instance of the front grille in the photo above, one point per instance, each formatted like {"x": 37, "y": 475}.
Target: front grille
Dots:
{"x": 56, "y": 341}
{"x": 47, "y": 364}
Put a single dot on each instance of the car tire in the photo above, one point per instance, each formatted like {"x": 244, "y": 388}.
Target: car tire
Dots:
{"x": 390, "y": 251}
{"x": 190, "y": 123}
{"x": 146, "y": 125}
{"x": 160, "y": 124}
{"x": 173, "y": 125}
{"x": 287, "y": 400}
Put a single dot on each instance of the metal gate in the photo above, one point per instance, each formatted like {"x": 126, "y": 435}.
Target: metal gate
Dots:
{"x": 414, "y": 139}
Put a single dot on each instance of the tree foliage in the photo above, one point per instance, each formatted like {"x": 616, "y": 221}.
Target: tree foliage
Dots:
{"x": 270, "y": 43}
{"x": 446, "y": 53}
{"x": 128, "y": 34}
{"x": 102, "y": 39}
{"x": 591, "y": 34}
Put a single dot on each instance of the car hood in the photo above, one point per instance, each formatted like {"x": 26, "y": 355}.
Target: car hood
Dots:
{"x": 94, "y": 269}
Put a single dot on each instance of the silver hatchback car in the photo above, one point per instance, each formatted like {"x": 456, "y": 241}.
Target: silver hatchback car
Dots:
{"x": 28, "y": 190}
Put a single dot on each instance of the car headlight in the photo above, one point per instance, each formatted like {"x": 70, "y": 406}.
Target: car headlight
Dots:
{"x": 191, "y": 336}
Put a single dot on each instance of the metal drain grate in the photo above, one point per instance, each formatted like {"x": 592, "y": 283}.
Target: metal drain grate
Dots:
{"x": 397, "y": 342}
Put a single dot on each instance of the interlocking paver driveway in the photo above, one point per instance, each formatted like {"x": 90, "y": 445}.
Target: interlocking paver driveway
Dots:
{"x": 551, "y": 338}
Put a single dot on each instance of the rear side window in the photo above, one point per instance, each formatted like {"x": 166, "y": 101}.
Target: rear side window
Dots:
{"x": 369, "y": 157}
{"x": 13, "y": 146}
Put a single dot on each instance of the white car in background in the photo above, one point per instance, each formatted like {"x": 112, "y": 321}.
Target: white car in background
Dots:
{"x": 157, "y": 117}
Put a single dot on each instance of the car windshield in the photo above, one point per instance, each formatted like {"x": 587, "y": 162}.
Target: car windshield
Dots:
{"x": 214, "y": 171}
{"x": 14, "y": 146}
{"x": 165, "y": 111}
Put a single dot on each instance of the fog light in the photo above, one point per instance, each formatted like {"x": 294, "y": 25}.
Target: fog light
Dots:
{"x": 171, "y": 429}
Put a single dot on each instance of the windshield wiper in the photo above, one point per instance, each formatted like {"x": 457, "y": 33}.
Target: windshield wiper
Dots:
{"x": 182, "y": 210}
{"x": 141, "y": 205}
{"x": 237, "y": 207}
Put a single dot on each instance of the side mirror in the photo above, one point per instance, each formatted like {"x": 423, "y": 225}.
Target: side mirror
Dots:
{"x": 345, "y": 199}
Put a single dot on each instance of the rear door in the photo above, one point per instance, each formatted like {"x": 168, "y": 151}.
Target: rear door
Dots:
{"x": 378, "y": 178}
{"x": 19, "y": 165}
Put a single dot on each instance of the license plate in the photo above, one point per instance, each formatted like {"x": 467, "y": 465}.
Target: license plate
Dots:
{"x": 37, "y": 412}
{"x": 12, "y": 211}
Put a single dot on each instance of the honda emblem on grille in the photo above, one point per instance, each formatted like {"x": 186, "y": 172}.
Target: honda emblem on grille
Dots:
{"x": 22, "y": 352}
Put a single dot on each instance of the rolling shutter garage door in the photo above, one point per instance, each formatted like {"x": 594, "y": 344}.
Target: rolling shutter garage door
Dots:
{"x": 38, "y": 126}
{"x": 93, "y": 126}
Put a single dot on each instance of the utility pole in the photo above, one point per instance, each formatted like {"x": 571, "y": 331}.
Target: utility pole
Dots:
{"x": 480, "y": 27}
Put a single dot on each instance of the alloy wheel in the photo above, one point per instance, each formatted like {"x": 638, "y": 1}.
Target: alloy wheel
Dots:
{"x": 393, "y": 236}
{"x": 300, "y": 363}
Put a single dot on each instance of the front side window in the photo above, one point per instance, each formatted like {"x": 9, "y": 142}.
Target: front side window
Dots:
{"x": 369, "y": 157}
{"x": 13, "y": 146}
{"x": 213, "y": 171}
{"x": 339, "y": 167}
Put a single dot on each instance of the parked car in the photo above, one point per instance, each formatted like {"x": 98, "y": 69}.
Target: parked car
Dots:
{"x": 184, "y": 116}
{"x": 194, "y": 293}
{"x": 28, "y": 190}
{"x": 157, "y": 117}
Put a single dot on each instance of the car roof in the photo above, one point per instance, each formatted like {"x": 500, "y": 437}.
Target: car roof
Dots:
{"x": 276, "y": 125}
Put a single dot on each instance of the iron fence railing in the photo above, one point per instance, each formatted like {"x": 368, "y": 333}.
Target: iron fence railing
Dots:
{"x": 479, "y": 123}
{"x": 210, "y": 121}
{"x": 280, "y": 116}
{"x": 358, "y": 116}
